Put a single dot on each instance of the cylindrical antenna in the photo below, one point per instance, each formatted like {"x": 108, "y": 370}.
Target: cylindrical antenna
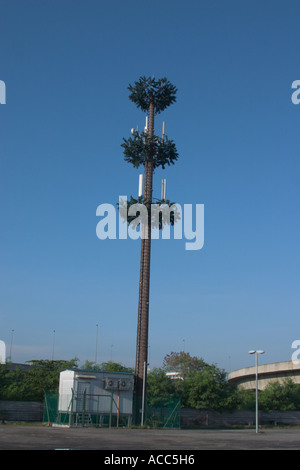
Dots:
{"x": 140, "y": 185}
{"x": 135, "y": 132}
{"x": 163, "y": 130}
{"x": 146, "y": 126}
{"x": 163, "y": 189}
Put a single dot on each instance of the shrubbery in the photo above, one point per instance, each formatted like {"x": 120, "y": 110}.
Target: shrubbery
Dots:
{"x": 204, "y": 386}
{"x": 199, "y": 385}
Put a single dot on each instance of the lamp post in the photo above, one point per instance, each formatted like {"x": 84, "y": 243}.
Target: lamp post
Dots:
{"x": 96, "y": 349}
{"x": 256, "y": 386}
{"x": 53, "y": 343}
{"x": 11, "y": 344}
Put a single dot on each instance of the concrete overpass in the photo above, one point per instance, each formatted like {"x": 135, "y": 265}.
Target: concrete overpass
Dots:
{"x": 278, "y": 371}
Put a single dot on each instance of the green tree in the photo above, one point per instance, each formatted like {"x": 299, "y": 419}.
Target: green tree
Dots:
{"x": 283, "y": 396}
{"x": 208, "y": 389}
{"x": 30, "y": 385}
{"x": 183, "y": 363}
{"x": 12, "y": 384}
{"x": 90, "y": 365}
{"x": 115, "y": 367}
{"x": 107, "y": 366}
{"x": 159, "y": 387}
{"x": 245, "y": 399}
{"x": 43, "y": 377}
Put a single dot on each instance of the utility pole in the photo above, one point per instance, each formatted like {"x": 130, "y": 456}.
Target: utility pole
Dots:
{"x": 151, "y": 96}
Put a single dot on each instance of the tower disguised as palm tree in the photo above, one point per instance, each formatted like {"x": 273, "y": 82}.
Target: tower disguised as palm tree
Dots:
{"x": 152, "y": 97}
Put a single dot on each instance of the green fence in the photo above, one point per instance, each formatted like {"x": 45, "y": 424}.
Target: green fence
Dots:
{"x": 50, "y": 408}
{"x": 163, "y": 413}
{"x": 83, "y": 415}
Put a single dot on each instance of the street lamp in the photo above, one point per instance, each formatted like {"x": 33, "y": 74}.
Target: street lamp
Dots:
{"x": 53, "y": 345}
{"x": 96, "y": 350}
{"x": 256, "y": 387}
{"x": 11, "y": 344}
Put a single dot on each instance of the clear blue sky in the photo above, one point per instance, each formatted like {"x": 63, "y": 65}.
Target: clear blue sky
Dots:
{"x": 66, "y": 65}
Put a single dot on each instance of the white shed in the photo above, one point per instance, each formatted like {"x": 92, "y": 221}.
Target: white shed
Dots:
{"x": 2, "y": 352}
{"x": 95, "y": 397}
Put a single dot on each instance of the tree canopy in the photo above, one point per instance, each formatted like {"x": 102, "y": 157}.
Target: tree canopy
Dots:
{"x": 137, "y": 150}
{"x": 202, "y": 385}
{"x": 159, "y": 387}
{"x": 146, "y": 148}
{"x": 106, "y": 366}
{"x": 30, "y": 385}
{"x": 208, "y": 388}
{"x": 160, "y": 92}
{"x": 283, "y": 396}
{"x": 183, "y": 363}
{"x": 43, "y": 376}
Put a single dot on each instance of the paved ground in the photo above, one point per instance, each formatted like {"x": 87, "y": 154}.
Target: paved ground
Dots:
{"x": 15, "y": 437}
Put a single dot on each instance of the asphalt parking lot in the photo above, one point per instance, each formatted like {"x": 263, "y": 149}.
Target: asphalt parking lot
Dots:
{"x": 18, "y": 437}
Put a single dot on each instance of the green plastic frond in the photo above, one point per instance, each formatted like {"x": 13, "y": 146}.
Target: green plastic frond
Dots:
{"x": 161, "y": 92}
{"x": 162, "y": 212}
{"x": 140, "y": 148}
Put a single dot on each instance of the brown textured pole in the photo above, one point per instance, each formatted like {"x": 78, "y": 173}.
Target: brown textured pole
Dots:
{"x": 144, "y": 287}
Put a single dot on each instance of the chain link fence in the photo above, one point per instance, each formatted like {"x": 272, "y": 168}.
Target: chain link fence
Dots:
{"x": 164, "y": 413}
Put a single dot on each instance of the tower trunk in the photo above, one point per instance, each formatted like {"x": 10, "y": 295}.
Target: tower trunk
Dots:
{"x": 144, "y": 286}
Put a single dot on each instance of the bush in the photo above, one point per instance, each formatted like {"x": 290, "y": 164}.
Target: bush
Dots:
{"x": 30, "y": 385}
